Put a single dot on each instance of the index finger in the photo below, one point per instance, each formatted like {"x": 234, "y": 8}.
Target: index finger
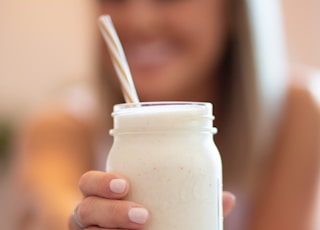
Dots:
{"x": 103, "y": 184}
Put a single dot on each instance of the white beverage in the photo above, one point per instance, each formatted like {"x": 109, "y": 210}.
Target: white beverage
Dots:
{"x": 167, "y": 152}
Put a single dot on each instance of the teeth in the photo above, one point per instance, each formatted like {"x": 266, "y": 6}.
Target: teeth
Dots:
{"x": 146, "y": 54}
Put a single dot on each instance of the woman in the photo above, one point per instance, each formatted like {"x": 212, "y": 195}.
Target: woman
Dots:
{"x": 202, "y": 51}
{"x": 195, "y": 50}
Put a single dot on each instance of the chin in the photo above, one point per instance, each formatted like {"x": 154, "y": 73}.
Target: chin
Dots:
{"x": 151, "y": 96}
{"x": 158, "y": 94}
{"x": 160, "y": 84}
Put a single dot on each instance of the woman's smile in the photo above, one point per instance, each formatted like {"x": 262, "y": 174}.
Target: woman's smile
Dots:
{"x": 147, "y": 57}
{"x": 172, "y": 47}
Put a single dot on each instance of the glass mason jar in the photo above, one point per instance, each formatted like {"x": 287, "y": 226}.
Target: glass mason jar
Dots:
{"x": 167, "y": 152}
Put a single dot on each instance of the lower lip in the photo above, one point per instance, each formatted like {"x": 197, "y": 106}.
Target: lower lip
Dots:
{"x": 148, "y": 66}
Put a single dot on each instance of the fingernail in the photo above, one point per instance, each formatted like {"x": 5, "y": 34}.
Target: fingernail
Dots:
{"x": 138, "y": 215}
{"x": 232, "y": 196}
{"x": 118, "y": 185}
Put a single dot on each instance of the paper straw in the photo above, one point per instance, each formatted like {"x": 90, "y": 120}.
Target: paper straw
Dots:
{"x": 118, "y": 58}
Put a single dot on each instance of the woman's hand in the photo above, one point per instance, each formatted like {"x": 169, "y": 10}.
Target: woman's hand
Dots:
{"x": 103, "y": 207}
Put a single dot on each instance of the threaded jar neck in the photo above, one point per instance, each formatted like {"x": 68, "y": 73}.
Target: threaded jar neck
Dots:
{"x": 162, "y": 116}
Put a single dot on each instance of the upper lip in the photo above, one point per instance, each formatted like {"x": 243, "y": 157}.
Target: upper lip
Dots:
{"x": 145, "y": 53}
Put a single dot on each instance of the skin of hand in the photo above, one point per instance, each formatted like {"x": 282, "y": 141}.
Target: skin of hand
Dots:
{"x": 103, "y": 208}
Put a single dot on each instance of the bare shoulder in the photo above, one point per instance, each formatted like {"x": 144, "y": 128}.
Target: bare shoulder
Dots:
{"x": 64, "y": 129}
{"x": 300, "y": 132}
{"x": 75, "y": 112}
{"x": 290, "y": 190}
{"x": 303, "y": 101}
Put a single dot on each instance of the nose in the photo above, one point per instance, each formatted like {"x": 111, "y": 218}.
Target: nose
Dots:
{"x": 140, "y": 18}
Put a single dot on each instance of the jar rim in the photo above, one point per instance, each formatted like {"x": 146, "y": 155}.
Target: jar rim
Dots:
{"x": 124, "y": 106}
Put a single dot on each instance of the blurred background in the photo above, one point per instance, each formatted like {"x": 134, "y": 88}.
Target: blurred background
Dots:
{"x": 46, "y": 46}
{"x": 43, "y": 45}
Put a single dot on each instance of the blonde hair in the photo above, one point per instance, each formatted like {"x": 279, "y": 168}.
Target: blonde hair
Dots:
{"x": 258, "y": 89}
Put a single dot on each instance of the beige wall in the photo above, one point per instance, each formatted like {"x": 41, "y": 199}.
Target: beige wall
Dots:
{"x": 302, "y": 22}
{"x": 43, "y": 46}
{"x": 47, "y": 44}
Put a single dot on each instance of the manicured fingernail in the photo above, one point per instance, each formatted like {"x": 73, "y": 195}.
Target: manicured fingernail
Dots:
{"x": 118, "y": 185}
{"x": 233, "y": 197}
{"x": 138, "y": 215}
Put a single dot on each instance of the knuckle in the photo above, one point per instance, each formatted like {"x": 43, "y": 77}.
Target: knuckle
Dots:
{"x": 70, "y": 223}
{"x": 117, "y": 213}
{"x": 83, "y": 180}
{"x": 84, "y": 209}
{"x": 114, "y": 208}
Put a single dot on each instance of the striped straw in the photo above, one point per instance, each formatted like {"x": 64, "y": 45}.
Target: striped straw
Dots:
{"x": 118, "y": 58}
